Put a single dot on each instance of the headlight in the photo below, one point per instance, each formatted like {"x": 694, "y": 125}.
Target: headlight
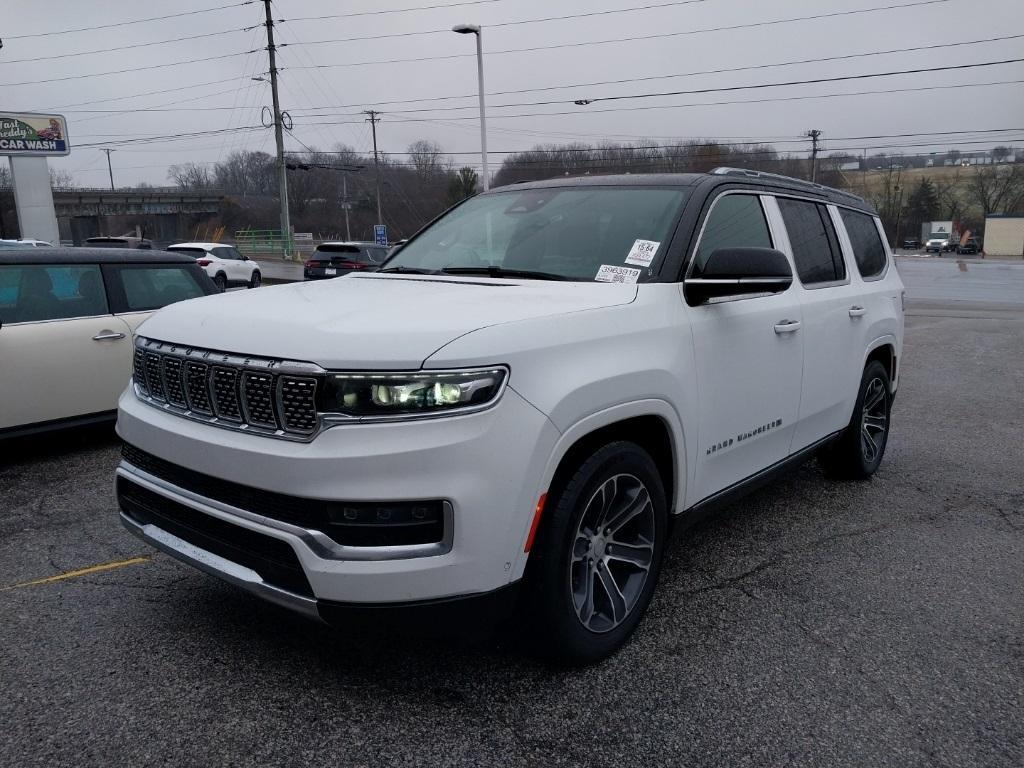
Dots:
{"x": 408, "y": 395}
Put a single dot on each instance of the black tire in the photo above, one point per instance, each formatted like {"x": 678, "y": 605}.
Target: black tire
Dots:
{"x": 857, "y": 454}
{"x": 564, "y": 559}
{"x": 256, "y": 279}
{"x": 221, "y": 281}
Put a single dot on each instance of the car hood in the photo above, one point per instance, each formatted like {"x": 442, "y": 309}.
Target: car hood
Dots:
{"x": 369, "y": 321}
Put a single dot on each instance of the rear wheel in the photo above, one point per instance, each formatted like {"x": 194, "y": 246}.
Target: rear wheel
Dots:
{"x": 221, "y": 281}
{"x": 858, "y": 453}
{"x": 256, "y": 279}
{"x": 596, "y": 560}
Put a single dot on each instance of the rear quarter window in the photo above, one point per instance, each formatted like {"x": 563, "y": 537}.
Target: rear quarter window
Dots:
{"x": 868, "y": 248}
{"x": 146, "y": 287}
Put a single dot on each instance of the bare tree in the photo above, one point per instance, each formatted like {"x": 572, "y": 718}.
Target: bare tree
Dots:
{"x": 191, "y": 176}
{"x": 997, "y": 190}
{"x": 427, "y": 158}
{"x": 61, "y": 179}
{"x": 999, "y": 154}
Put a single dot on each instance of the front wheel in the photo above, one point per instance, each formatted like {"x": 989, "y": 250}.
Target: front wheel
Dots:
{"x": 595, "y": 564}
{"x": 255, "y": 280}
{"x": 857, "y": 454}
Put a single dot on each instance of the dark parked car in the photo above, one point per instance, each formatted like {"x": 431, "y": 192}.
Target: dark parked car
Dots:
{"x": 911, "y": 243}
{"x": 118, "y": 242}
{"x": 971, "y": 245}
{"x": 333, "y": 259}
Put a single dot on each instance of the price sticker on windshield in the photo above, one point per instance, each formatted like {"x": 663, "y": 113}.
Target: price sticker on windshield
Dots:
{"x": 609, "y": 273}
{"x": 642, "y": 252}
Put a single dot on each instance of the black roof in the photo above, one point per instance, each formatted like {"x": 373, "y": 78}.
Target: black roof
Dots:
{"x": 29, "y": 255}
{"x": 717, "y": 177}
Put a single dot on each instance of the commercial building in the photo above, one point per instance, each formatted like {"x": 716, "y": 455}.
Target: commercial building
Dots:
{"x": 1004, "y": 235}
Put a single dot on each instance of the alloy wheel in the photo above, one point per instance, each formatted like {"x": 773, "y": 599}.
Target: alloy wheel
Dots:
{"x": 612, "y": 553}
{"x": 874, "y": 420}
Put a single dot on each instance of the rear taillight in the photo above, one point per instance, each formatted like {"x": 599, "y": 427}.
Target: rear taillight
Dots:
{"x": 309, "y": 264}
{"x": 203, "y": 262}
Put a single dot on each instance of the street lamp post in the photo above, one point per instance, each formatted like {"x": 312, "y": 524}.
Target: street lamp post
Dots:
{"x": 466, "y": 29}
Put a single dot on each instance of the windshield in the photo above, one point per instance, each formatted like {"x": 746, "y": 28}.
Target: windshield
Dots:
{"x": 938, "y": 236}
{"x": 610, "y": 234}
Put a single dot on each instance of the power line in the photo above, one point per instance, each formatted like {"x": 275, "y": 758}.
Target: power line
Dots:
{"x": 585, "y": 102}
{"x": 704, "y": 139}
{"x": 126, "y": 23}
{"x": 123, "y": 47}
{"x": 173, "y": 136}
{"x": 513, "y": 23}
{"x": 624, "y": 39}
{"x": 688, "y": 74}
{"x": 393, "y": 10}
{"x": 144, "y": 93}
{"x": 696, "y": 91}
{"x": 702, "y": 104}
{"x": 131, "y": 69}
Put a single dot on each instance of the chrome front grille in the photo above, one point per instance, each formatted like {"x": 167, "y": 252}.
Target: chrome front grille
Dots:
{"x": 298, "y": 403}
{"x": 154, "y": 376}
{"x": 195, "y": 387}
{"x": 258, "y": 399}
{"x": 261, "y": 395}
{"x": 226, "y": 403}
{"x": 173, "y": 387}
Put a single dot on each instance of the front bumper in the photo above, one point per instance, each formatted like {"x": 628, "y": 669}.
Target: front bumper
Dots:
{"x": 487, "y": 466}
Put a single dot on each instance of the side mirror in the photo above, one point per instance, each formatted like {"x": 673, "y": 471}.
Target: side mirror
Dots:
{"x": 739, "y": 272}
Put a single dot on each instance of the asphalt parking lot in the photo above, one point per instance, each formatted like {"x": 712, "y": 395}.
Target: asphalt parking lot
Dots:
{"x": 815, "y": 623}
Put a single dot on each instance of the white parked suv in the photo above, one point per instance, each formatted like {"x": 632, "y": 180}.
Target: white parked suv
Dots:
{"x": 224, "y": 263}
{"x": 521, "y": 404}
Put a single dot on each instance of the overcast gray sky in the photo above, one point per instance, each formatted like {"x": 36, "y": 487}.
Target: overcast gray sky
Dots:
{"x": 325, "y": 101}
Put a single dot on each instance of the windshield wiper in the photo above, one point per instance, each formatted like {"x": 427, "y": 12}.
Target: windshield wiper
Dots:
{"x": 408, "y": 270}
{"x": 493, "y": 271}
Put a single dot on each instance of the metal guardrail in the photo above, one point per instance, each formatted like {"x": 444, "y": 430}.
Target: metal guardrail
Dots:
{"x": 255, "y": 242}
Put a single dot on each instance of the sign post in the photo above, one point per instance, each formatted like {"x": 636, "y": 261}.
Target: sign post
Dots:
{"x": 380, "y": 234}
{"x": 28, "y": 139}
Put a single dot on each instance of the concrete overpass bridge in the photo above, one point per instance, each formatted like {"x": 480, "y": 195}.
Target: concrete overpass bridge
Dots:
{"x": 163, "y": 214}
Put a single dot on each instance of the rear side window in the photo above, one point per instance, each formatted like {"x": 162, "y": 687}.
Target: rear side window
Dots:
{"x": 227, "y": 252}
{"x": 813, "y": 239}
{"x": 868, "y": 249}
{"x": 32, "y": 293}
{"x": 735, "y": 221}
{"x": 195, "y": 253}
{"x": 149, "y": 287}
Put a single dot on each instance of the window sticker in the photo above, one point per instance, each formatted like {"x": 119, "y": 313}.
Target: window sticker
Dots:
{"x": 609, "y": 273}
{"x": 642, "y": 252}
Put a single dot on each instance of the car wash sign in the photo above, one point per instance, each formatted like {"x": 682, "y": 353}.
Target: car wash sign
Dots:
{"x": 31, "y": 134}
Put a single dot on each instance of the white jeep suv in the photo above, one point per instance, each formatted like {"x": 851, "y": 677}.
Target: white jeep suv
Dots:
{"x": 522, "y": 403}
{"x": 225, "y": 264}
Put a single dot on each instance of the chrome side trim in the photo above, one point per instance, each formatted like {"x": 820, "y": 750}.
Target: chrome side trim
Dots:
{"x": 215, "y": 565}
{"x": 318, "y": 543}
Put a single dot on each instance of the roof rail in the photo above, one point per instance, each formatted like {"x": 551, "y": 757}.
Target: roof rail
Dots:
{"x": 727, "y": 171}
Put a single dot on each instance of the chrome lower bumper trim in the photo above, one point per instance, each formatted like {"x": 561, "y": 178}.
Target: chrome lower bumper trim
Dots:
{"x": 236, "y": 574}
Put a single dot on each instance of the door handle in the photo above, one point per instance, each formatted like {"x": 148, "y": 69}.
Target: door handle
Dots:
{"x": 856, "y": 310}
{"x": 787, "y": 326}
{"x": 106, "y": 335}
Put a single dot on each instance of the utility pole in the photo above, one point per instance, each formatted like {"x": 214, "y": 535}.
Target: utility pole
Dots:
{"x": 814, "y": 135}
{"x": 282, "y": 183}
{"x": 110, "y": 168}
{"x": 345, "y": 203}
{"x": 373, "y": 120}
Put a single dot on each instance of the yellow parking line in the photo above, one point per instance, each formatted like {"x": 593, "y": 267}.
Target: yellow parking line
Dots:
{"x": 80, "y": 572}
